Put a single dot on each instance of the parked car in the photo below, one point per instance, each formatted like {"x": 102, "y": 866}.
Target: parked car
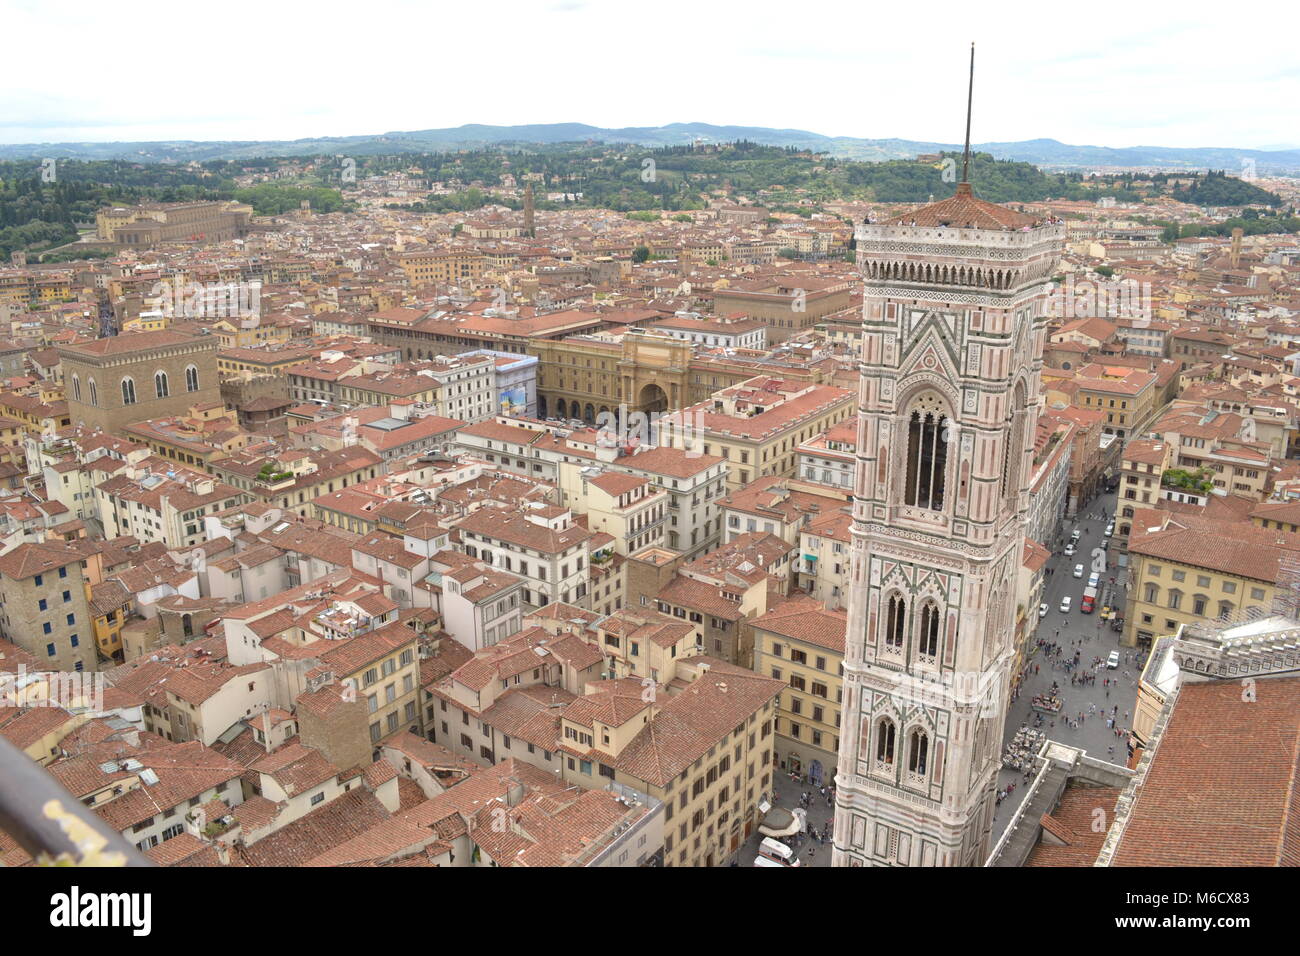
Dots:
{"x": 1069, "y": 550}
{"x": 1065, "y": 604}
{"x": 1042, "y": 610}
{"x": 1113, "y": 660}
{"x": 1094, "y": 579}
{"x": 1078, "y": 570}
{"x": 1110, "y": 530}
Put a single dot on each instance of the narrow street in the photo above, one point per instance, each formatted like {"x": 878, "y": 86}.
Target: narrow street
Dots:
{"x": 1097, "y": 641}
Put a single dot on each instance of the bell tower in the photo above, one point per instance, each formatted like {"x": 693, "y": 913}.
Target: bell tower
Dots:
{"x": 948, "y": 400}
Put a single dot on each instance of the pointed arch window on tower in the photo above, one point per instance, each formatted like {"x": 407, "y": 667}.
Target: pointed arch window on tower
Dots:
{"x": 927, "y": 454}
{"x": 128, "y": 391}
{"x": 918, "y": 755}
{"x": 160, "y": 384}
{"x": 885, "y": 734}
{"x": 191, "y": 378}
{"x": 927, "y": 648}
{"x": 895, "y": 624}
{"x": 1013, "y": 445}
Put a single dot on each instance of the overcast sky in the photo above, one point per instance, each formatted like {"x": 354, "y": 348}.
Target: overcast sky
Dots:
{"x": 1102, "y": 73}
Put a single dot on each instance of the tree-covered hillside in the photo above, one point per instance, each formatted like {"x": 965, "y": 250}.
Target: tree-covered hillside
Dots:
{"x": 1220, "y": 189}
{"x": 36, "y": 214}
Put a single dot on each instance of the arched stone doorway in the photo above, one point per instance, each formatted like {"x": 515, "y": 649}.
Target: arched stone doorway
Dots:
{"x": 589, "y": 414}
{"x": 561, "y": 410}
{"x": 652, "y": 399}
{"x": 541, "y": 407}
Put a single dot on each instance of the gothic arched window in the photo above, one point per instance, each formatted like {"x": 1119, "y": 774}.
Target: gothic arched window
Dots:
{"x": 160, "y": 384}
{"x": 128, "y": 391}
{"x": 927, "y": 454}
{"x": 76, "y": 387}
{"x": 1013, "y": 444}
{"x": 928, "y": 644}
{"x": 895, "y": 622}
{"x": 918, "y": 752}
{"x": 94, "y": 391}
{"x": 885, "y": 733}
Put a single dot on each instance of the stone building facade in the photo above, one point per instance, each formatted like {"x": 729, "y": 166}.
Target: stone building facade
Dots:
{"x": 153, "y": 223}
{"x": 43, "y": 606}
{"x": 115, "y": 381}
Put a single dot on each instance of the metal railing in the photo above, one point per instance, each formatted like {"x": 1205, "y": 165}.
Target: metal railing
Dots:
{"x": 50, "y": 823}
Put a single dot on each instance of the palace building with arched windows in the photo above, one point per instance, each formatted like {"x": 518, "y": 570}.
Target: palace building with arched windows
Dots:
{"x": 123, "y": 379}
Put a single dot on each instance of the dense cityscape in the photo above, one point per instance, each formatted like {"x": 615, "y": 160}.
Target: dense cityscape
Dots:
{"x": 537, "y": 503}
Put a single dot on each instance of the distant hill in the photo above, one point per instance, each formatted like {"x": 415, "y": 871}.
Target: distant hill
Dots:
{"x": 1041, "y": 152}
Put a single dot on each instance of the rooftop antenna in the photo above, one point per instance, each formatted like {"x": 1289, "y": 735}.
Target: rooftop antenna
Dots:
{"x": 970, "y": 95}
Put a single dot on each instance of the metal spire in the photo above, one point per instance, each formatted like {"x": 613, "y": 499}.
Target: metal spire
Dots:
{"x": 970, "y": 95}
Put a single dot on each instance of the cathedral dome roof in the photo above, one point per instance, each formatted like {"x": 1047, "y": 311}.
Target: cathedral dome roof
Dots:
{"x": 965, "y": 211}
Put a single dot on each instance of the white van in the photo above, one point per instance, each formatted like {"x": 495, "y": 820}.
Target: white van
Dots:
{"x": 776, "y": 850}
{"x": 768, "y": 861}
